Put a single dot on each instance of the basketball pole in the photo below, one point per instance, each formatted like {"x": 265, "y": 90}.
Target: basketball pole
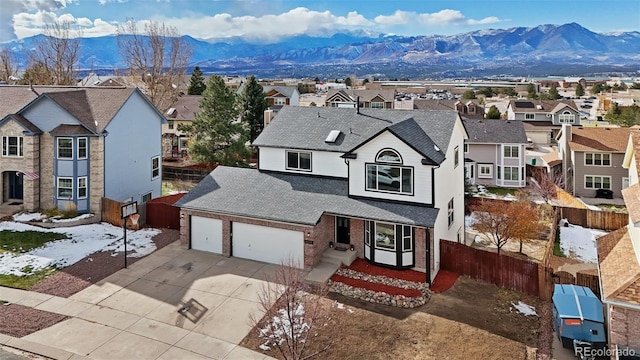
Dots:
{"x": 124, "y": 228}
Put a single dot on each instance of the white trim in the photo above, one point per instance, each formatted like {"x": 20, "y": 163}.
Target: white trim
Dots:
{"x": 86, "y": 148}
{"x": 479, "y": 173}
{"x": 298, "y": 168}
{"x": 20, "y": 146}
{"x": 86, "y": 187}
{"x": 153, "y": 169}
{"x": 58, "y": 148}
{"x": 593, "y": 159}
{"x": 593, "y": 182}
{"x": 58, "y": 187}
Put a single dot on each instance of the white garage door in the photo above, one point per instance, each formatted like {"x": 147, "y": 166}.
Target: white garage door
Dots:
{"x": 538, "y": 137}
{"x": 206, "y": 234}
{"x": 271, "y": 245}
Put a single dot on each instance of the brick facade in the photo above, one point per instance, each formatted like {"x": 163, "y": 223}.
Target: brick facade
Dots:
{"x": 624, "y": 327}
{"x": 47, "y": 180}
{"x": 316, "y": 237}
{"x": 96, "y": 174}
{"x": 27, "y": 162}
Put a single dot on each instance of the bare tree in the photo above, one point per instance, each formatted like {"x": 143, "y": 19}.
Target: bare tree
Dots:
{"x": 546, "y": 184}
{"x": 292, "y": 312}
{"x": 156, "y": 58}
{"x": 58, "y": 51}
{"x": 8, "y": 66}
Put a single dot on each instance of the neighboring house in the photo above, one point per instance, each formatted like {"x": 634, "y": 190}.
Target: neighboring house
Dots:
{"x": 388, "y": 183}
{"x": 592, "y": 159}
{"x": 368, "y": 99}
{"x": 494, "y": 153}
{"x": 543, "y": 117}
{"x": 94, "y": 79}
{"x": 619, "y": 264}
{"x": 468, "y": 109}
{"x": 279, "y": 96}
{"x": 184, "y": 110}
{"x": 64, "y": 146}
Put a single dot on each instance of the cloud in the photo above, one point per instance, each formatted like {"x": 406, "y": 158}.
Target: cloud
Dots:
{"x": 268, "y": 28}
{"x": 10, "y": 8}
{"x": 26, "y": 24}
{"x": 442, "y": 17}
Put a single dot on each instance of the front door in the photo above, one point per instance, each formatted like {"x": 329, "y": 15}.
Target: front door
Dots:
{"x": 342, "y": 230}
{"x": 15, "y": 185}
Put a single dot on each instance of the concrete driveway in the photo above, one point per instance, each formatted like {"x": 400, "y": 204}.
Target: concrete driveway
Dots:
{"x": 135, "y": 313}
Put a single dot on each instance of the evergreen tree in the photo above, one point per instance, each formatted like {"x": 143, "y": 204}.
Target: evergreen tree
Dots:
{"x": 254, "y": 103}
{"x": 579, "y": 90}
{"x": 469, "y": 94}
{"x": 553, "y": 93}
{"x": 217, "y": 135}
{"x": 197, "y": 85}
{"x": 347, "y": 82}
{"x": 487, "y": 91}
{"x": 531, "y": 92}
{"x": 493, "y": 113}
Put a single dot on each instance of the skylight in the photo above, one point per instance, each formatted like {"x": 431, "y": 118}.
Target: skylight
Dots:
{"x": 333, "y": 136}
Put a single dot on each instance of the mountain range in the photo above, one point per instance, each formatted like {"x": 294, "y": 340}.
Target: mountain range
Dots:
{"x": 518, "y": 51}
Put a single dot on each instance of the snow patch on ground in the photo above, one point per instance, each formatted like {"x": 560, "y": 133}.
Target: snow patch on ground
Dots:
{"x": 524, "y": 309}
{"x": 26, "y": 217}
{"x": 578, "y": 242}
{"x": 83, "y": 216}
{"x": 284, "y": 325}
{"x": 82, "y": 241}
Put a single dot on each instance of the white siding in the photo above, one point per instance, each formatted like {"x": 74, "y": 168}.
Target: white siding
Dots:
{"x": 422, "y": 190}
{"x": 322, "y": 162}
{"x": 449, "y": 183}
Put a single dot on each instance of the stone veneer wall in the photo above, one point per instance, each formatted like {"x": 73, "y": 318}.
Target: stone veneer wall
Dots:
{"x": 356, "y": 231}
{"x": 318, "y": 234}
{"x": 27, "y": 162}
{"x": 47, "y": 180}
{"x": 624, "y": 328}
{"x": 96, "y": 175}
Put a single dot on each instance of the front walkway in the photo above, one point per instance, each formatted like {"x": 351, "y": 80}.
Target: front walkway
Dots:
{"x": 134, "y": 313}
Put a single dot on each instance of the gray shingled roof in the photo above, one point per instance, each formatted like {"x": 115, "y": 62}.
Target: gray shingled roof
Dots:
{"x": 547, "y": 106}
{"x": 284, "y": 90}
{"x": 302, "y": 127}
{"x": 186, "y": 107}
{"x": 23, "y": 121}
{"x": 293, "y": 198}
{"x": 495, "y": 131}
{"x": 89, "y": 105}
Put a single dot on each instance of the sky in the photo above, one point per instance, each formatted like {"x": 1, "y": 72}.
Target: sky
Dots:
{"x": 270, "y": 21}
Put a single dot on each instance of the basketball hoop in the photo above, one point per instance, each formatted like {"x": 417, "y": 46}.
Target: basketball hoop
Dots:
{"x": 134, "y": 219}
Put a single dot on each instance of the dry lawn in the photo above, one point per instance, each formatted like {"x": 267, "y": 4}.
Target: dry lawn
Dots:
{"x": 368, "y": 331}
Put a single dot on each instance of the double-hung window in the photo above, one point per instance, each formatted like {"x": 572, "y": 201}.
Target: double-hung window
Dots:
{"x": 65, "y": 148}
{"x": 12, "y": 146}
{"x": 450, "y": 212}
{"x": 65, "y": 187}
{"x": 386, "y": 176}
{"x": 299, "y": 160}
{"x": 597, "y": 182}
{"x": 82, "y": 187}
{"x": 529, "y": 116}
{"x": 485, "y": 171}
{"x": 511, "y": 151}
{"x": 155, "y": 167}
{"x": 597, "y": 159}
{"x": 82, "y": 148}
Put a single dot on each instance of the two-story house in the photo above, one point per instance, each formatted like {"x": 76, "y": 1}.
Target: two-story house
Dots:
{"x": 543, "y": 118}
{"x": 494, "y": 152}
{"x": 68, "y": 146}
{"x": 279, "y": 96}
{"x": 592, "y": 160}
{"x": 468, "y": 109}
{"x": 176, "y": 142}
{"x": 366, "y": 99}
{"x": 619, "y": 265}
{"x": 387, "y": 183}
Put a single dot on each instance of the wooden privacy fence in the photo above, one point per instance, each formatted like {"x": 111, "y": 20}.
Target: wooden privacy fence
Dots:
{"x": 162, "y": 214}
{"x": 563, "y": 277}
{"x": 605, "y": 220}
{"x": 501, "y": 270}
{"x": 111, "y": 213}
{"x": 193, "y": 174}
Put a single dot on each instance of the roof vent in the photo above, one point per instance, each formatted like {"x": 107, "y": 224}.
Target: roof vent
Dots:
{"x": 436, "y": 147}
{"x": 333, "y": 135}
{"x": 539, "y": 107}
{"x": 171, "y": 112}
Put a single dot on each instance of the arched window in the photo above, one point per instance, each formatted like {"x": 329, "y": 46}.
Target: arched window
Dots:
{"x": 389, "y": 156}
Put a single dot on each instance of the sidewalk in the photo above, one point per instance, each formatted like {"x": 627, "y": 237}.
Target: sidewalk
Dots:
{"x": 133, "y": 313}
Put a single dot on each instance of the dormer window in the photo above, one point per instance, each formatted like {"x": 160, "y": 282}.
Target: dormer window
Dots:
{"x": 385, "y": 176}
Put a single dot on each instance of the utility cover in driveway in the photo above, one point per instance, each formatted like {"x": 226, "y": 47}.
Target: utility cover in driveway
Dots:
{"x": 271, "y": 245}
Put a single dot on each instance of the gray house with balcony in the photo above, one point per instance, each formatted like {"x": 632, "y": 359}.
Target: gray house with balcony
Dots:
{"x": 543, "y": 118}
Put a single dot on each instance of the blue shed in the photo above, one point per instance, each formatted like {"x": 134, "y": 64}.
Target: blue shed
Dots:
{"x": 578, "y": 315}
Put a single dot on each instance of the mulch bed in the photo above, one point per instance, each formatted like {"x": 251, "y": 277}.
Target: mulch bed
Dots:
{"x": 443, "y": 281}
{"x": 363, "y": 266}
{"x": 15, "y": 323}
{"x": 377, "y": 287}
{"x": 93, "y": 268}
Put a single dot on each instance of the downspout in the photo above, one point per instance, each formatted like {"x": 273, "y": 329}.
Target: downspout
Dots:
{"x": 39, "y": 171}
{"x": 428, "y": 257}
